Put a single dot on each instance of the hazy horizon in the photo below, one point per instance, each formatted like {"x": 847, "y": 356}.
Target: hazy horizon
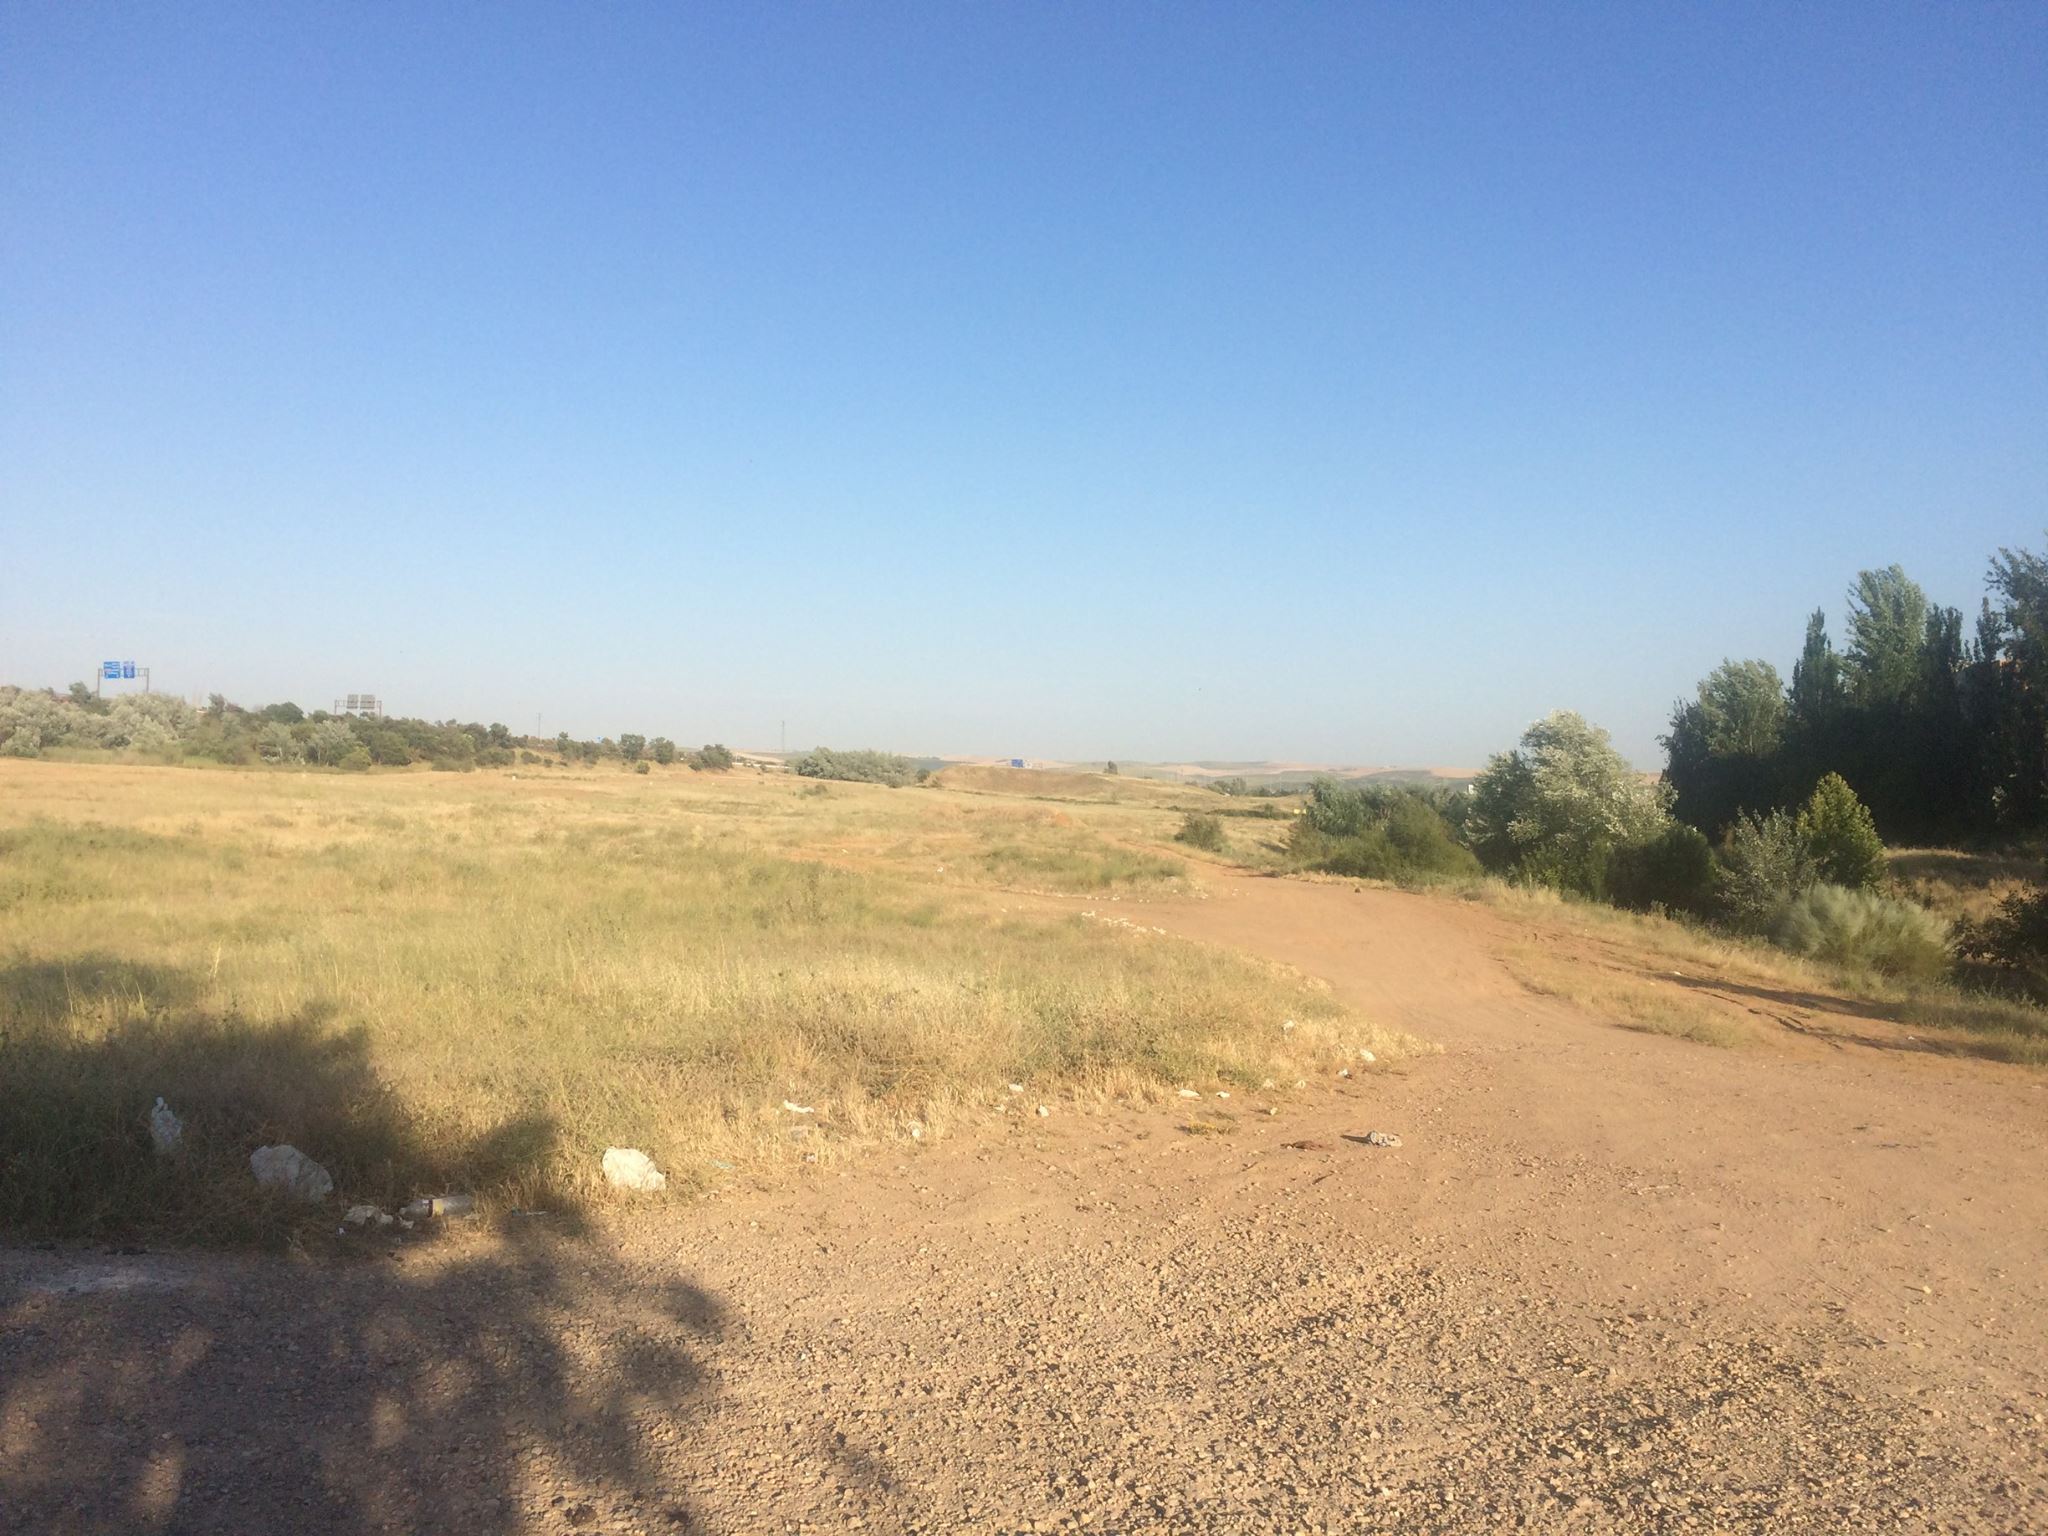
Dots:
{"x": 1212, "y": 383}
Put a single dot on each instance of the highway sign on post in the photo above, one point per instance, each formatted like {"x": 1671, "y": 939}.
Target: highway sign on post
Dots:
{"x": 128, "y": 669}
{"x": 111, "y": 670}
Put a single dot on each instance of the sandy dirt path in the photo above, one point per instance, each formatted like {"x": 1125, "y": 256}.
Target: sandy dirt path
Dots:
{"x": 1608, "y": 1281}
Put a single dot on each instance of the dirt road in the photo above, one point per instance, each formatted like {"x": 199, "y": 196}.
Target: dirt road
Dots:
{"x": 1608, "y": 1281}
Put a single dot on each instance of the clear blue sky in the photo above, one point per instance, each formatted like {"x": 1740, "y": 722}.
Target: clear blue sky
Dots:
{"x": 1340, "y": 383}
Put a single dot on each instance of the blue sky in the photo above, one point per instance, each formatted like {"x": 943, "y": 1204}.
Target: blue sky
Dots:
{"x": 1335, "y": 383}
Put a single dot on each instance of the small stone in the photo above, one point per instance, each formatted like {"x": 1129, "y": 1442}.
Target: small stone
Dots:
{"x": 1043, "y": 1111}
{"x": 1189, "y": 1093}
{"x": 289, "y": 1171}
{"x": 1343, "y": 1071}
{"x": 1365, "y": 1055}
{"x": 630, "y": 1168}
{"x": 1222, "y": 1094}
{"x": 1016, "y": 1087}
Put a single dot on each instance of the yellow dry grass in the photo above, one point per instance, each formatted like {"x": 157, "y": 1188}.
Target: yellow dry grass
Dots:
{"x": 484, "y": 980}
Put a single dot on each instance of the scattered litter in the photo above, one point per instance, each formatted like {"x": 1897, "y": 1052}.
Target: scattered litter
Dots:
{"x": 1270, "y": 1110}
{"x": 1288, "y": 1025}
{"x": 1343, "y": 1071}
{"x": 1267, "y": 1083}
{"x": 1377, "y": 1139}
{"x": 630, "y": 1168}
{"x": 1222, "y": 1094}
{"x": 1043, "y": 1111}
{"x": 916, "y": 1131}
{"x": 450, "y": 1205}
{"x": 367, "y": 1216}
{"x": 1016, "y": 1087}
{"x": 165, "y": 1129}
{"x": 1189, "y": 1093}
{"x": 1365, "y": 1055}
{"x": 721, "y": 1164}
{"x": 799, "y": 1109}
{"x": 1301, "y": 1082}
{"x": 290, "y": 1171}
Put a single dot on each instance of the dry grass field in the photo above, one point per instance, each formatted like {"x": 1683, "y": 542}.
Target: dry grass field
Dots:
{"x": 481, "y": 981}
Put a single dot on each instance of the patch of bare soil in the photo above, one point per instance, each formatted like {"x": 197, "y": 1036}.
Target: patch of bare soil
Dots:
{"x": 1608, "y": 1280}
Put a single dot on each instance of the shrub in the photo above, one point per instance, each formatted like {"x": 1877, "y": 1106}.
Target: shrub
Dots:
{"x": 715, "y": 758}
{"x": 1673, "y": 870}
{"x": 1377, "y": 832}
{"x": 643, "y": 766}
{"x": 1841, "y": 836}
{"x": 356, "y": 760}
{"x": 2013, "y": 940}
{"x": 275, "y": 743}
{"x": 856, "y": 767}
{"x": 662, "y": 750}
{"x": 1764, "y": 865}
{"x": 1199, "y": 831}
{"x": 1864, "y": 931}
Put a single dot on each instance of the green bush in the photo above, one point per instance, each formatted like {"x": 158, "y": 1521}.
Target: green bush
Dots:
{"x": 2012, "y": 941}
{"x": 714, "y": 758}
{"x": 642, "y": 766}
{"x": 1377, "y": 832}
{"x": 1864, "y": 931}
{"x": 1764, "y": 864}
{"x": 857, "y": 767}
{"x": 1673, "y": 870}
{"x": 1841, "y": 836}
{"x": 1199, "y": 831}
{"x": 355, "y": 760}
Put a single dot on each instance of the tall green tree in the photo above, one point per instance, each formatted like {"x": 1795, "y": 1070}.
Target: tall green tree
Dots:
{"x": 1887, "y": 629}
{"x": 1555, "y": 809}
{"x": 1818, "y": 690}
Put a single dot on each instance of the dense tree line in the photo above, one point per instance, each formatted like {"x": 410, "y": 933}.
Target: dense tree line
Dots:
{"x": 36, "y": 721}
{"x": 1943, "y": 735}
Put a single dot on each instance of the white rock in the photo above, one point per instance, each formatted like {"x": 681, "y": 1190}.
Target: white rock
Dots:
{"x": 1221, "y": 1094}
{"x": 1365, "y": 1055}
{"x": 1016, "y": 1087}
{"x": 1267, "y": 1083}
{"x": 165, "y": 1129}
{"x": 630, "y": 1168}
{"x": 916, "y": 1131}
{"x": 799, "y": 1109}
{"x": 1189, "y": 1093}
{"x": 1043, "y": 1111}
{"x": 1288, "y": 1025}
{"x": 290, "y": 1171}
{"x": 1343, "y": 1071}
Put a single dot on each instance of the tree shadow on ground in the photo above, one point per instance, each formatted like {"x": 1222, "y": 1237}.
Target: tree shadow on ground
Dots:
{"x": 489, "y": 1385}
{"x": 1828, "y": 1017}
{"x": 87, "y": 1046}
{"x": 489, "y": 1381}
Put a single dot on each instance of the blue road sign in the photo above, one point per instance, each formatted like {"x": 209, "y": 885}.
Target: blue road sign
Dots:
{"x": 110, "y": 669}
{"x": 1016, "y": 762}
{"x": 127, "y": 669}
